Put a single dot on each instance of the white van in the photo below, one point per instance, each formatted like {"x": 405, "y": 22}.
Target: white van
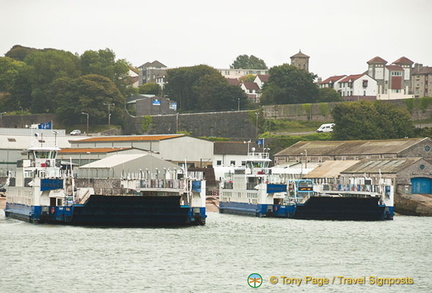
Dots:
{"x": 326, "y": 127}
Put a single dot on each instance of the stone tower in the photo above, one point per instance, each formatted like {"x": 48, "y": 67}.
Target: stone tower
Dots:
{"x": 300, "y": 61}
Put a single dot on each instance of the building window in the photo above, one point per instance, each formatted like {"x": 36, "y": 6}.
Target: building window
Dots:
{"x": 365, "y": 83}
{"x": 218, "y": 163}
{"x": 232, "y": 163}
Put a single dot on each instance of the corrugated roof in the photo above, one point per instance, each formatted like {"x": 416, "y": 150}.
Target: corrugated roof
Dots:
{"x": 131, "y": 138}
{"x": 112, "y": 161}
{"x": 350, "y": 148}
{"x": 330, "y": 169}
{"x": 91, "y": 150}
{"x": 381, "y": 165}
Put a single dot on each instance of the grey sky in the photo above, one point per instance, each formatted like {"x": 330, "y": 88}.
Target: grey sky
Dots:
{"x": 340, "y": 36}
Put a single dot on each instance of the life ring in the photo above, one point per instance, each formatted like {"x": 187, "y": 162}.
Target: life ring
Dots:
{"x": 52, "y": 210}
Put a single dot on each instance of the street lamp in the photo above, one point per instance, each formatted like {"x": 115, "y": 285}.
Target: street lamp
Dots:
{"x": 109, "y": 112}
{"x": 87, "y": 114}
{"x": 1, "y": 117}
{"x": 256, "y": 113}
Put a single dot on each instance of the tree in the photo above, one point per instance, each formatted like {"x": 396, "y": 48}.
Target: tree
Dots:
{"x": 150, "y": 88}
{"x": 201, "y": 88}
{"x": 19, "y": 52}
{"x": 289, "y": 85}
{"x": 88, "y": 93}
{"x": 44, "y": 68}
{"x": 329, "y": 95}
{"x": 248, "y": 62}
{"x": 370, "y": 120}
{"x": 103, "y": 63}
{"x": 249, "y": 77}
{"x": 9, "y": 71}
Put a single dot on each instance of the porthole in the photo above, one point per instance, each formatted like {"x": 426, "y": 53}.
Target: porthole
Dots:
{"x": 422, "y": 167}
{"x": 427, "y": 148}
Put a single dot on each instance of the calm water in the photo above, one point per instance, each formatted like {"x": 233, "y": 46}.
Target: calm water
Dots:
{"x": 218, "y": 257}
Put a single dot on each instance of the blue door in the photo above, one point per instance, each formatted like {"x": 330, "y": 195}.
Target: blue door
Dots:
{"x": 421, "y": 185}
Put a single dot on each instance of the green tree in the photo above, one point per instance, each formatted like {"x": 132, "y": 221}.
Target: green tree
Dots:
{"x": 103, "y": 62}
{"x": 249, "y": 77}
{"x": 329, "y": 95}
{"x": 19, "y": 52}
{"x": 9, "y": 71}
{"x": 370, "y": 120}
{"x": 150, "y": 88}
{"x": 88, "y": 93}
{"x": 44, "y": 68}
{"x": 201, "y": 88}
{"x": 289, "y": 85}
{"x": 248, "y": 62}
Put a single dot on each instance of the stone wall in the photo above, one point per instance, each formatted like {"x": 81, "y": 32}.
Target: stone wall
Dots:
{"x": 235, "y": 124}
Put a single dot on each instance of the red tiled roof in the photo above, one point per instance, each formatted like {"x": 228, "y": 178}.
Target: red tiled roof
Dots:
{"x": 403, "y": 61}
{"x": 352, "y": 77}
{"x": 250, "y": 85}
{"x": 394, "y": 68}
{"x": 333, "y": 79}
{"x": 233, "y": 81}
{"x": 130, "y": 138}
{"x": 378, "y": 60}
{"x": 263, "y": 77}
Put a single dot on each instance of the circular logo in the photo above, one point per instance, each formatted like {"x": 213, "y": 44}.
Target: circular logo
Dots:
{"x": 254, "y": 280}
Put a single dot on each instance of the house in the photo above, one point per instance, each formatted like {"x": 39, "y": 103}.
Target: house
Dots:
{"x": 252, "y": 90}
{"x": 357, "y": 87}
{"x": 238, "y": 72}
{"x": 421, "y": 81}
{"x": 332, "y": 82}
{"x": 320, "y": 151}
{"x": 151, "y": 72}
{"x": 261, "y": 79}
{"x": 394, "y": 80}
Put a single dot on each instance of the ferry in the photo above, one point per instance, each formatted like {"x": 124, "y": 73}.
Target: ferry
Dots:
{"x": 44, "y": 191}
{"x": 258, "y": 190}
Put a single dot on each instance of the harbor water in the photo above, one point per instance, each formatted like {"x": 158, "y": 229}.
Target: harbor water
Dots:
{"x": 229, "y": 254}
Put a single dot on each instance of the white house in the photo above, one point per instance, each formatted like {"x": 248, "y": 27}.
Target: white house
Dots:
{"x": 357, "y": 86}
{"x": 252, "y": 91}
{"x": 261, "y": 79}
{"x": 332, "y": 82}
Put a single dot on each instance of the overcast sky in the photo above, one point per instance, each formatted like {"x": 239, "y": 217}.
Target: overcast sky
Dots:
{"x": 340, "y": 36}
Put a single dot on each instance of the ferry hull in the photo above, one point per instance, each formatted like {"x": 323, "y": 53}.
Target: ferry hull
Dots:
{"x": 125, "y": 211}
{"x": 316, "y": 208}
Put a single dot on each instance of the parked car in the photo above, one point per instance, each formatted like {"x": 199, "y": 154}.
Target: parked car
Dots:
{"x": 328, "y": 127}
{"x": 75, "y": 132}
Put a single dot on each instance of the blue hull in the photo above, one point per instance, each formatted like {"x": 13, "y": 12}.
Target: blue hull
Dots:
{"x": 124, "y": 211}
{"x": 316, "y": 208}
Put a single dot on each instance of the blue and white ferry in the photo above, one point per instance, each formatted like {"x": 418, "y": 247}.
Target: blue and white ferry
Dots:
{"x": 256, "y": 190}
{"x": 42, "y": 191}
